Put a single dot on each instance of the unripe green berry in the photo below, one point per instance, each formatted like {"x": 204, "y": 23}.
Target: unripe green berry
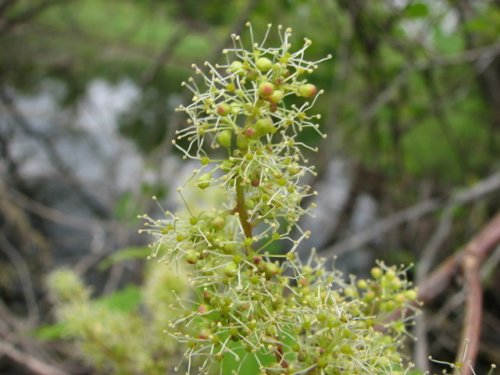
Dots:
{"x": 204, "y": 181}
{"x": 263, "y": 64}
{"x": 266, "y": 89}
{"x": 224, "y": 138}
{"x": 307, "y": 91}
{"x": 223, "y": 109}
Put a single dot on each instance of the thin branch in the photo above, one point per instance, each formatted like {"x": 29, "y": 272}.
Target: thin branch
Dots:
{"x": 165, "y": 55}
{"x": 23, "y": 272}
{"x": 27, "y": 14}
{"x": 56, "y": 159}
{"x": 483, "y": 187}
{"x": 468, "y": 261}
{"x": 27, "y": 361}
{"x": 479, "y": 247}
{"x": 480, "y": 55}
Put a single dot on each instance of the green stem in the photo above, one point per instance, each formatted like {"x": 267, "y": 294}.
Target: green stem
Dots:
{"x": 241, "y": 208}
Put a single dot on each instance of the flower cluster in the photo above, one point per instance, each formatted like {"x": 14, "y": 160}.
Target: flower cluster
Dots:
{"x": 243, "y": 108}
{"x": 249, "y": 305}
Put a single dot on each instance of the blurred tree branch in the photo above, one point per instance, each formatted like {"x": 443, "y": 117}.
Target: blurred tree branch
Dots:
{"x": 57, "y": 161}
{"x": 25, "y": 15}
{"x": 477, "y": 191}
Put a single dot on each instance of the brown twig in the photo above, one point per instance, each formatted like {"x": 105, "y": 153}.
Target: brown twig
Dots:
{"x": 34, "y": 365}
{"x": 468, "y": 260}
{"x": 27, "y": 14}
{"x": 483, "y": 187}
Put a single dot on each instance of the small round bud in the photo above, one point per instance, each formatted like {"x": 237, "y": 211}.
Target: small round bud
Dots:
{"x": 307, "y": 91}
{"x": 204, "y": 334}
{"x": 202, "y": 309}
{"x": 266, "y": 89}
{"x": 223, "y": 109}
{"x": 277, "y": 96}
{"x": 218, "y": 222}
{"x": 250, "y": 132}
{"x": 263, "y": 64}
{"x": 265, "y": 126}
{"x": 411, "y": 295}
{"x": 191, "y": 257}
{"x": 236, "y": 67}
{"x": 362, "y": 284}
{"x": 224, "y": 138}
{"x": 204, "y": 181}
{"x": 376, "y": 272}
{"x": 230, "y": 270}
{"x": 242, "y": 142}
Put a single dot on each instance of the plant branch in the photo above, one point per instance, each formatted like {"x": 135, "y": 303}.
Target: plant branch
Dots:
{"x": 468, "y": 260}
{"x": 363, "y": 237}
{"x": 34, "y": 365}
{"x": 241, "y": 208}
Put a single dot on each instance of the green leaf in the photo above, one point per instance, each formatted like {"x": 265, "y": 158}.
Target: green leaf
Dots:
{"x": 124, "y": 254}
{"x": 51, "y": 332}
{"x": 125, "y": 300}
{"x": 416, "y": 10}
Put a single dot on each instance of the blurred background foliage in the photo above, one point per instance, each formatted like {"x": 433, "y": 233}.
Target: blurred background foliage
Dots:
{"x": 88, "y": 90}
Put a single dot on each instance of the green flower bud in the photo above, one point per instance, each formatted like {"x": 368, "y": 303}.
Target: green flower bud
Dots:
{"x": 230, "y": 270}
{"x": 376, "y": 272}
{"x": 265, "y": 126}
{"x": 271, "y": 269}
{"x": 236, "y": 67}
{"x": 263, "y": 64}
{"x": 202, "y": 309}
{"x": 218, "y": 222}
{"x": 266, "y": 89}
{"x": 223, "y": 109}
{"x": 192, "y": 257}
{"x": 302, "y": 355}
{"x": 277, "y": 96}
{"x": 224, "y": 138}
{"x": 251, "y": 132}
{"x": 307, "y": 91}
{"x": 362, "y": 284}
{"x": 204, "y": 181}
{"x": 411, "y": 295}
{"x": 242, "y": 142}
{"x": 293, "y": 169}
